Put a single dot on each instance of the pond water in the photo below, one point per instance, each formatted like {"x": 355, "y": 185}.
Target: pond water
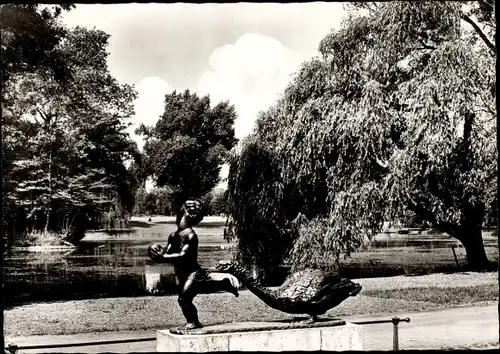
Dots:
{"x": 117, "y": 264}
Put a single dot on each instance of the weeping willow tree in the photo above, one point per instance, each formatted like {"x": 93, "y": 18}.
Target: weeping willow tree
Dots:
{"x": 254, "y": 182}
{"x": 397, "y": 116}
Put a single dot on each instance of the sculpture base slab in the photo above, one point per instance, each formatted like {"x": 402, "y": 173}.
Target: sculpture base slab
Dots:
{"x": 263, "y": 336}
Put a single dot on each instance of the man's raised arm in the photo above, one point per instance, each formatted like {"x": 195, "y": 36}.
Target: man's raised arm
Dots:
{"x": 172, "y": 257}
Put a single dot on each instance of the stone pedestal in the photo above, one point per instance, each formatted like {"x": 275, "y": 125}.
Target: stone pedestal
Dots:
{"x": 263, "y": 336}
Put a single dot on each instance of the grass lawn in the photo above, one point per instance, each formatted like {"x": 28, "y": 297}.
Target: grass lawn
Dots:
{"x": 442, "y": 296}
{"x": 379, "y": 296}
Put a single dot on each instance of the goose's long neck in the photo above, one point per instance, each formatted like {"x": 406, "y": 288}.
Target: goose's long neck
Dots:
{"x": 255, "y": 286}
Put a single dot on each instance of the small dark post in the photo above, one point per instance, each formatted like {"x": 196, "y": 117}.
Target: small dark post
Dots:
{"x": 454, "y": 255}
{"x": 395, "y": 333}
{"x": 12, "y": 348}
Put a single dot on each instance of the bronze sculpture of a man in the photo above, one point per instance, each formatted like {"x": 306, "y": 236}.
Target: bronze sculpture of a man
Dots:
{"x": 182, "y": 251}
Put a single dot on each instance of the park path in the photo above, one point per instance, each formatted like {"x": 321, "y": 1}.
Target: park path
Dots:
{"x": 463, "y": 327}
{"x": 456, "y": 328}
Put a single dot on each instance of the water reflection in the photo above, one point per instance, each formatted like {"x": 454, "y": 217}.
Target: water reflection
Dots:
{"x": 158, "y": 283}
{"x": 117, "y": 264}
{"x": 103, "y": 265}
{"x": 111, "y": 269}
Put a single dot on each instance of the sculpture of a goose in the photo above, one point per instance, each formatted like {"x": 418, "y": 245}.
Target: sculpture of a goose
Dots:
{"x": 310, "y": 291}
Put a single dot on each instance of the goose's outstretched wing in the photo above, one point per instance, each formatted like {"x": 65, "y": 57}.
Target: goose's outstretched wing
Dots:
{"x": 305, "y": 285}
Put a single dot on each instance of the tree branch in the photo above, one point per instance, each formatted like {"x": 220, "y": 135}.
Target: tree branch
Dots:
{"x": 425, "y": 45}
{"x": 365, "y": 6}
{"x": 468, "y": 121}
{"x": 426, "y": 214}
{"x": 479, "y": 32}
{"x": 44, "y": 116}
{"x": 383, "y": 164}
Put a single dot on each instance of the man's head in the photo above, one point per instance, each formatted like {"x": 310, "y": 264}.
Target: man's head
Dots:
{"x": 192, "y": 211}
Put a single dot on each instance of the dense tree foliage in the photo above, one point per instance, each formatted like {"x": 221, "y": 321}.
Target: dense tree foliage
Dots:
{"x": 157, "y": 201}
{"x": 64, "y": 141}
{"x": 188, "y": 145}
{"x": 30, "y": 37}
{"x": 396, "y": 117}
{"x": 218, "y": 203}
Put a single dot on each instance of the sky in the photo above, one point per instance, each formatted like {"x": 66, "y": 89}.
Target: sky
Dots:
{"x": 244, "y": 53}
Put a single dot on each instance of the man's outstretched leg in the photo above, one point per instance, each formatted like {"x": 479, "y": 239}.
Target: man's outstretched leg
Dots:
{"x": 215, "y": 282}
{"x": 202, "y": 282}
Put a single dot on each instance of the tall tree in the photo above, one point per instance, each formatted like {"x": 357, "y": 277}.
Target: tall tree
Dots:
{"x": 397, "y": 116}
{"x": 188, "y": 145}
{"x": 30, "y": 35}
{"x": 73, "y": 160}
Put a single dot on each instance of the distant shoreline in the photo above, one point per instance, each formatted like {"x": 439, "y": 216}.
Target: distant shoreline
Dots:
{"x": 42, "y": 248}
{"x": 164, "y": 218}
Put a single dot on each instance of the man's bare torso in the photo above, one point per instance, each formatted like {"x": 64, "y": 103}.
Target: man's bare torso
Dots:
{"x": 189, "y": 262}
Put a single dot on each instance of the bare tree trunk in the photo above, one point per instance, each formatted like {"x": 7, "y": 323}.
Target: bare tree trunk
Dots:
{"x": 474, "y": 247}
{"x": 47, "y": 207}
{"x": 471, "y": 236}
